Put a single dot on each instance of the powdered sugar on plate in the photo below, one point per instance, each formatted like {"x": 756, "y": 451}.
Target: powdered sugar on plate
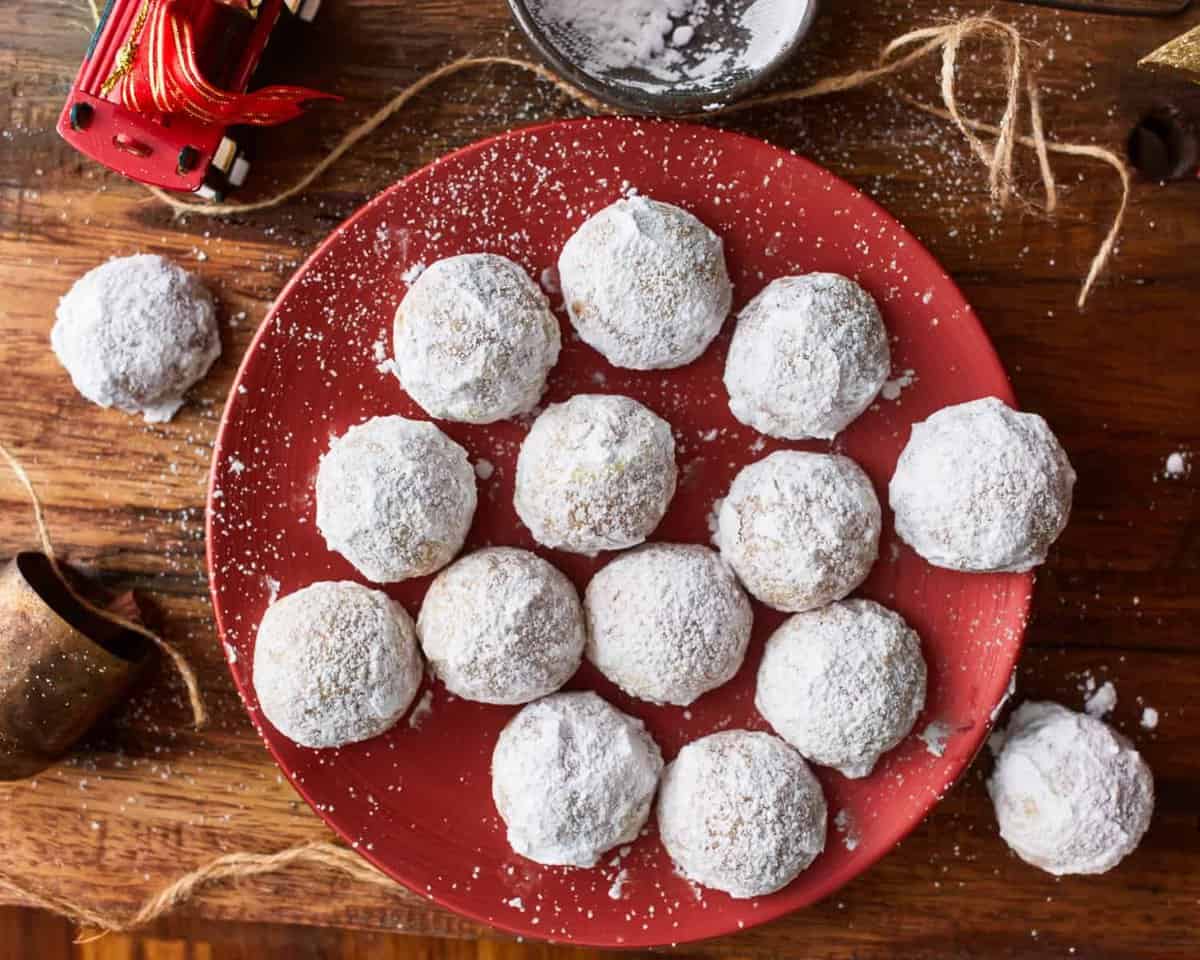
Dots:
{"x": 934, "y": 736}
{"x": 845, "y": 825}
{"x": 422, "y": 711}
{"x": 898, "y": 384}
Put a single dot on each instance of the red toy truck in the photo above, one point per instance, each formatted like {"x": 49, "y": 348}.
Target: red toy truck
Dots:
{"x": 185, "y": 149}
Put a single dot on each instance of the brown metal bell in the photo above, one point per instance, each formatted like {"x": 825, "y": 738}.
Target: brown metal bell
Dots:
{"x": 61, "y": 666}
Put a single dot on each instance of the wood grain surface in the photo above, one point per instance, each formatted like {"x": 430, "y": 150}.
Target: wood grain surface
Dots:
{"x": 148, "y": 798}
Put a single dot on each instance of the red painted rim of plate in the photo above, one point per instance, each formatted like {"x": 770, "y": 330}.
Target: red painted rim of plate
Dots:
{"x": 772, "y": 908}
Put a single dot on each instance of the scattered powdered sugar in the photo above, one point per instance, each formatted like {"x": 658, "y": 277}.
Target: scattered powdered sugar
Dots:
{"x": 800, "y": 529}
{"x": 136, "y": 333}
{"x": 422, "y": 710}
{"x": 981, "y": 487}
{"x": 413, "y": 272}
{"x": 618, "y": 885}
{"x": 1004, "y": 697}
{"x": 335, "y": 663}
{"x": 843, "y": 684}
{"x": 686, "y": 600}
{"x": 484, "y": 469}
{"x": 595, "y": 473}
{"x": 1102, "y": 701}
{"x": 273, "y": 586}
{"x": 572, "y": 777}
{"x": 935, "y": 736}
{"x": 809, "y": 355}
{"x": 1149, "y": 718}
{"x": 892, "y": 389}
{"x": 713, "y": 519}
{"x": 395, "y": 497}
{"x": 741, "y": 812}
{"x": 845, "y": 825}
{"x": 1179, "y": 464}
{"x": 475, "y": 339}
{"x": 231, "y": 655}
{"x": 1072, "y": 796}
{"x": 645, "y": 284}
{"x": 502, "y": 625}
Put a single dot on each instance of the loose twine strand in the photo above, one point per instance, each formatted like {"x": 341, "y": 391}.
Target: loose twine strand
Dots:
{"x": 199, "y": 714}
{"x": 898, "y": 56}
{"x": 230, "y": 866}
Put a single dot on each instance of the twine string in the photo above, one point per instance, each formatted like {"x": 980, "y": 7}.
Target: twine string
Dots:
{"x": 229, "y": 866}
{"x": 1039, "y": 146}
{"x": 898, "y": 56}
{"x": 182, "y": 667}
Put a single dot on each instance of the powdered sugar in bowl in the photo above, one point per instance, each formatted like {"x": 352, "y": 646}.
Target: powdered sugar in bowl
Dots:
{"x": 665, "y": 56}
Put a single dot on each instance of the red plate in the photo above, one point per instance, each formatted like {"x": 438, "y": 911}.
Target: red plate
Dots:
{"x": 417, "y": 801}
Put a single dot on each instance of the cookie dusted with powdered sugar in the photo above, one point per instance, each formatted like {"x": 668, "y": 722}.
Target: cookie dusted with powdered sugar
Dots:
{"x": 667, "y": 622}
{"x": 1071, "y": 794}
{"x": 842, "y": 684}
{"x": 800, "y": 529}
{"x": 572, "y": 777}
{"x": 645, "y": 284}
{"x": 809, "y": 355}
{"x": 335, "y": 663}
{"x": 136, "y": 333}
{"x": 475, "y": 339}
{"x": 595, "y": 473}
{"x": 983, "y": 488}
{"x": 740, "y": 811}
{"x": 395, "y": 497}
{"x": 502, "y": 625}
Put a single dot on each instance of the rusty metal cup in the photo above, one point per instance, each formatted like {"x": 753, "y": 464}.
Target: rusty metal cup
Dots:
{"x": 61, "y": 666}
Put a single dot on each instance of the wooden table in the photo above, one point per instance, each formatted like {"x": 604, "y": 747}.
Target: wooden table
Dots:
{"x": 1120, "y": 599}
